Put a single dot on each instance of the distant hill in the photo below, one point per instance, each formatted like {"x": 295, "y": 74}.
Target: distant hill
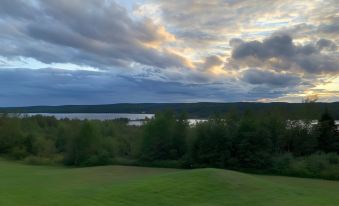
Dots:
{"x": 197, "y": 110}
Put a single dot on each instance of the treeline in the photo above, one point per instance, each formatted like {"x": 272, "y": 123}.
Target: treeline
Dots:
{"x": 46, "y": 140}
{"x": 267, "y": 143}
{"x": 193, "y": 110}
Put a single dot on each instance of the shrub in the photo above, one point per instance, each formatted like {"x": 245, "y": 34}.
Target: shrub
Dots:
{"x": 281, "y": 163}
{"x": 316, "y": 163}
{"x": 18, "y": 152}
{"x": 319, "y": 165}
{"x": 36, "y": 160}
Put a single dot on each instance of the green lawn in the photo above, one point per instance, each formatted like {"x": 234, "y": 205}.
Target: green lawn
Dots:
{"x": 120, "y": 185}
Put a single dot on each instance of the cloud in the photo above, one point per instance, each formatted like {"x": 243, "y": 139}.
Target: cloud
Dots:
{"x": 326, "y": 44}
{"x": 50, "y": 86}
{"x": 211, "y": 62}
{"x": 279, "y": 52}
{"x": 192, "y": 50}
{"x": 219, "y": 19}
{"x": 330, "y": 24}
{"x": 95, "y": 33}
{"x": 271, "y": 78}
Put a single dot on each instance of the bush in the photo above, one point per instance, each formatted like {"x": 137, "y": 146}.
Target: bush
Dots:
{"x": 281, "y": 163}
{"x": 18, "y": 152}
{"x": 333, "y": 158}
{"x": 316, "y": 163}
{"x": 299, "y": 168}
{"x": 36, "y": 160}
{"x": 102, "y": 157}
{"x": 331, "y": 172}
{"x": 319, "y": 165}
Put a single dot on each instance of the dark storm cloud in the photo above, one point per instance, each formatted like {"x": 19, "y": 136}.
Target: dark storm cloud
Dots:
{"x": 95, "y": 33}
{"x": 256, "y": 76}
{"x": 18, "y": 8}
{"x": 327, "y": 45}
{"x": 235, "y": 42}
{"x": 330, "y": 24}
{"x": 280, "y": 52}
{"x": 276, "y": 46}
{"x": 20, "y": 87}
{"x": 329, "y": 28}
{"x": 212, "y": 61}
{"x": 267, "y": 92}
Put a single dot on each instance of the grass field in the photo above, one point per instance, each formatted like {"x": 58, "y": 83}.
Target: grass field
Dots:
{"x": 120, "y": 185}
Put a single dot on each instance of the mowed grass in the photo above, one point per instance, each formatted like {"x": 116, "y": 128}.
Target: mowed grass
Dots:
{"x": 120, "y": 185}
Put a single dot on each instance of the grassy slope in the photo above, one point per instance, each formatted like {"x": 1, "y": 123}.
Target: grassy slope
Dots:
{"x": 118, "y": 185}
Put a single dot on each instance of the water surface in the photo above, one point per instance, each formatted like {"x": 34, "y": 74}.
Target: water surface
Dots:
{"x": 134, "y": 119}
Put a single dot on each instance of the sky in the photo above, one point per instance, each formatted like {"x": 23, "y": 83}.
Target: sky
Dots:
{"x": 57, "y": 52}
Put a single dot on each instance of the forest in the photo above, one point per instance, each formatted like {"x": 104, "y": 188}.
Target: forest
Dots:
{"x": 193, "y": 110}
{"x": 267, "y": 143}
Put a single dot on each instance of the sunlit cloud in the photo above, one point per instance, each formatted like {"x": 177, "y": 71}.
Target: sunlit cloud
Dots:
{"x": 228, "y": 50}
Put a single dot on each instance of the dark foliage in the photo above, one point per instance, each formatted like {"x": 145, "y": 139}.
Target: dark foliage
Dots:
{"x": 327, "y": 133}
{"x": 246, "y": 141}
{"x": 212, "y": 146}
{"x": 164, "y": 138}
{"x": 202, "y": 109}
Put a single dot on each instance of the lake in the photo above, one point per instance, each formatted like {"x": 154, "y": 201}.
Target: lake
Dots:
{"x": 95, "y": 116}
{"x": 134, "y": 119}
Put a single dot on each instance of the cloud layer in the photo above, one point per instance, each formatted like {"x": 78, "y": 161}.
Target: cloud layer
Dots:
{"x": 176, "y": 51}
{"x": 51, "y": 86}
{"x": 95, "y": 33}
{"x": 279, "y": 52}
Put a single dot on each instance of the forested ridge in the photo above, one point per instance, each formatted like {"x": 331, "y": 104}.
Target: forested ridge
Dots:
{"x": 198, "y": 110}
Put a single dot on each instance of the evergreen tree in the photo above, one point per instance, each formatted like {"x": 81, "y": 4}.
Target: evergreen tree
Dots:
{"x": 212, "y": 146}
{"x": 328, "y": 138}
{"x": 253, "y": 146}
{"x": 82, "y": 145}
{"x": 164, "y": 138}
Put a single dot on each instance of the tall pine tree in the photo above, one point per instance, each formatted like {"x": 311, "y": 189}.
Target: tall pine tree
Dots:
{"x": 328, "y": 138}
